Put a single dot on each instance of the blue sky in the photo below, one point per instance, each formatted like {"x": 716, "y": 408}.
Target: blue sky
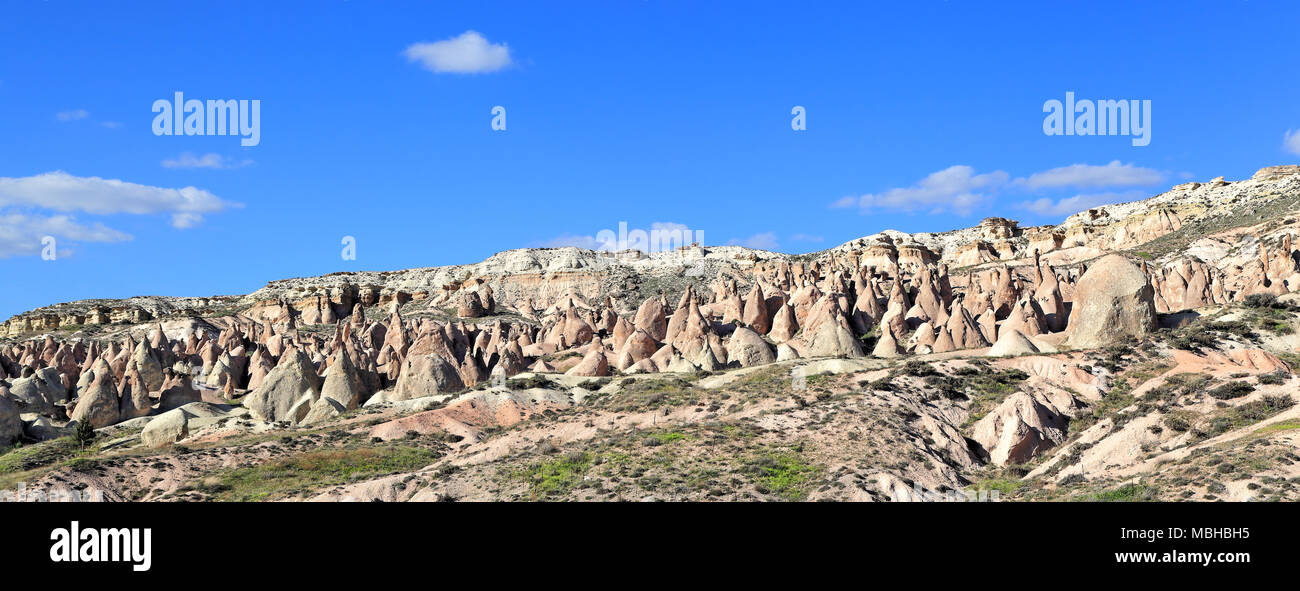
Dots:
{"x": 644, "y": 112}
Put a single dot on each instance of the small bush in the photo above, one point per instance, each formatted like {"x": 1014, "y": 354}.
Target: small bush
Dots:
{"x": 919, "y": 369}
{"x": 1178, "y": 422}
{"x": 85, "y": 434}
{"x": 1126, "y": 493}
{"x": 1261, "y": 300}
{"x": 1232, "y": 390}
{"x": 528, "y": 383}
{"x": 947, "y": 387}
{"x": 1253, "y": 412}
{"x": 1272, "y": 379}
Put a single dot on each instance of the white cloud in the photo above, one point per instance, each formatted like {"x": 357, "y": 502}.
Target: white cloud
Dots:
{"x": 587, "y": 242}
{"x": 209, "y": 160}
{"x": 111, "y": 124}
{"x": 763, "y": 241}
{"x": 1291, "y": 141}
{"x": 21, "y": 234}
{"x": 1092, "y": 176}
{"x": 60, "y": 191}
{"x": 664, "y": 230}
{"x": 957, "y": 188}
{"x": 186, "y": 220}
{"x": 843, "y": 202}
{"x": 1078, "y": 203}
{"x": 960, "y": 190}
{"x": 669, "y": 227}
{"x": 74, "y": 115}
{"x": 468, "y": 53}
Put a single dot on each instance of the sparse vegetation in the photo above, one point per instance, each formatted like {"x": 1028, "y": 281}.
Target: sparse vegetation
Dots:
{"x": 551, "y": 478}
{"x": 784, "y": 474}
{"x": 1231, "y": 390}
{"x": 313, "y": 470}
{"x": 1125, "y": 493}
{"x": 28, "y": 457}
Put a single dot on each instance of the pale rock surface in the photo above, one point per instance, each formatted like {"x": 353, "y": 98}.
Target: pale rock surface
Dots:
{"x": 1114, "y": 301}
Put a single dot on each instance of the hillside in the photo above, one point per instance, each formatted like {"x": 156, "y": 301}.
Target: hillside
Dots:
{"x": 1143, "y": 350}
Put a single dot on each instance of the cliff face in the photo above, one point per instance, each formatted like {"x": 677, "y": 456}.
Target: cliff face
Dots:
{"x": 1228, "y": 236}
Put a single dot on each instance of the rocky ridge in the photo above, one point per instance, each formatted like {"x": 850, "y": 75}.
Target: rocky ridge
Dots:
{"x": 548, "y": 274}
{"x": 846, "y": 374}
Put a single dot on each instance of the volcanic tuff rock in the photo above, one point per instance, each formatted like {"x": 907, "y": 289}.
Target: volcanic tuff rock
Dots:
{"x": 11, "y": 424}
{"x": 952, "y": 335}
{"x": 1114, "y": 302}
{"x": 1020, "y": 428}
{"x": 547, "y": 274}
{"x": 279, "y": 397}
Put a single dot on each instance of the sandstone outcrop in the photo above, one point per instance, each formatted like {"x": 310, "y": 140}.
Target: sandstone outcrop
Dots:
{"x": 1020, "y": 428}
{"x": 280, "y": 396}
{"x": 1114, "y": 302}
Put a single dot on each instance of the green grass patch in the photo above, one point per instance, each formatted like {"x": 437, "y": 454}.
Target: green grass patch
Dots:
{"x": 20, "y": 458}
{"x": 1128, "y": 493}
{"x": 314, "y": 470}
{"x": 555, "y": 477}
{"x": 648, "y": 393}
{"x": 664, "y": 437}
{"x": 784, "y": 474}
{"x": 1004, "y": 486}
{"x": 1287, "y": 425}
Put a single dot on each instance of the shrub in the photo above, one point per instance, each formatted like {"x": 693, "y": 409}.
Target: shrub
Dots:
{"x": 528, "y": 383}
{"x": 1232, "y": 390}
{"x": 1272, "y": 379}
{"x": 1179, "y": 384}
{"x": 85, "y": 434}
{"x": 947, "y": 387}
{"x": 1261, "y": 300}
{"x": 1126, "y": 493}
{"x": 1178, "y": 422}
{"x": 1256, "y": 411}
{"x": 881, "y": 385}
{"x": 919, "y": 369}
